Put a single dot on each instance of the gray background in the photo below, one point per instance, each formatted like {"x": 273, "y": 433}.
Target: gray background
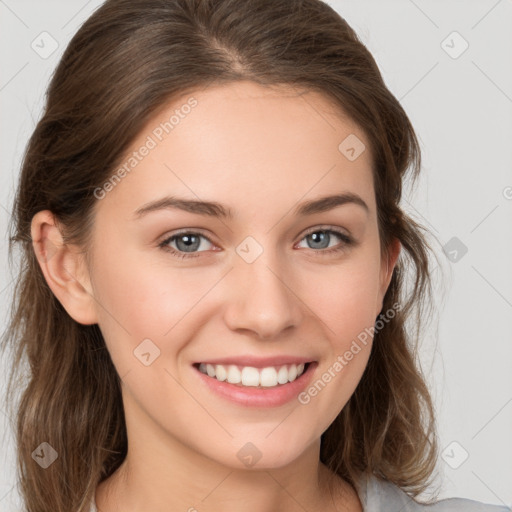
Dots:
{"x": 461, "y": 108}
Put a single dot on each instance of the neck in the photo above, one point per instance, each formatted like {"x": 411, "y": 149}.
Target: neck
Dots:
{"x": 160, "y": 474}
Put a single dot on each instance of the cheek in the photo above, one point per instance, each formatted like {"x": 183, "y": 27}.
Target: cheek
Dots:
{"x": 345, "y": 297}
{"x": 140, "y": 298}
{"x": 132, "y": 302}
{"x": 346, "y": 305}
{"x": 143, "y": 297}
{"x": 347, "y": 310}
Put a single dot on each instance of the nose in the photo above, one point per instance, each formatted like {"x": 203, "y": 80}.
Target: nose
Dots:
{"x": 262, "y": 299}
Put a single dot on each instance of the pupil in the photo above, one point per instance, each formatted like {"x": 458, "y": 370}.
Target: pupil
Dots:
{"x": 190, "y": 243}
{"x": 319, "y": 237}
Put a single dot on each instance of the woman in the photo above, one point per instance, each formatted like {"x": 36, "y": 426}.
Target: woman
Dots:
{"x": 212, "y": 299}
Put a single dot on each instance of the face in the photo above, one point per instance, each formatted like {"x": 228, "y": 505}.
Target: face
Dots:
{"x": 266, "y": 275}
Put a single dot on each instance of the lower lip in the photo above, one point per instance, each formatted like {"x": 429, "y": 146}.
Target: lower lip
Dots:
{"x": 260, "y": 397}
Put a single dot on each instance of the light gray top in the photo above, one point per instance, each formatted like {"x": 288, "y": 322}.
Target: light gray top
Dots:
{"x": 377, "y": 495}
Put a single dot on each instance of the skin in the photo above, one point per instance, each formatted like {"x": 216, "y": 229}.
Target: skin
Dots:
{"x": 260, "y": 152}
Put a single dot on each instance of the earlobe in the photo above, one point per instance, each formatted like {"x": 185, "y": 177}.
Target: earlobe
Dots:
{"x": 63, "y": 268}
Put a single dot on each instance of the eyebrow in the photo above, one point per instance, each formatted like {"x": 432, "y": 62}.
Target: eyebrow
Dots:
{"x": 214, "y": 209}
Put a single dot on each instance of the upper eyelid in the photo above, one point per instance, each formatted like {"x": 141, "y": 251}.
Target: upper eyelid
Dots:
{"x": 326, "y": 227}
{"x": 198, "y": 231}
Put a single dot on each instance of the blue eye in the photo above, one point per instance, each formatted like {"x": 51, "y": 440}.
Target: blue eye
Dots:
{"x": 188, "y": 242}
{"x": 321, "y": 238}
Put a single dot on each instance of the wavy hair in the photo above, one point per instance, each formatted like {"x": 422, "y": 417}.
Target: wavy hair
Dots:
{"x": 124, "y": 64}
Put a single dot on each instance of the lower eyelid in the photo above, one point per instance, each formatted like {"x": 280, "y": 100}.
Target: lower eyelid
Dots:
{"x": 345, "y": 240}
{"x": 342, "y": 236}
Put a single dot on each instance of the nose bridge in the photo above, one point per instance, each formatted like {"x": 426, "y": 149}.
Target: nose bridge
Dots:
{"x": 262, "y": 298}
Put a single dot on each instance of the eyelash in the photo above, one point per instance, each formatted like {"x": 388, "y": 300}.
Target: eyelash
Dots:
{"x": 347, "y": 241}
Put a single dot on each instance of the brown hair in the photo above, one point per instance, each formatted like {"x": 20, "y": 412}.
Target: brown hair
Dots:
{"x": 124, "y": 64}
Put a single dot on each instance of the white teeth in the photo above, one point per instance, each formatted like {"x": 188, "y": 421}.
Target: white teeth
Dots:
{"x": 234, "y": 375}
{"x": 268, "y": 377}
{"x": 282, "y": 375}
{"x": 249, "y": 376}
{"x": 221, "y": 373}
{"x": 210, "y": 370}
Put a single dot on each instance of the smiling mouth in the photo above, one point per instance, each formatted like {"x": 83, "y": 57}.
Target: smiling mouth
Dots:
{"x": 248, "y": 376}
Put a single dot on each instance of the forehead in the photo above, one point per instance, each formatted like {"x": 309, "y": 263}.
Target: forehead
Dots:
{"x": 248, "y": 143}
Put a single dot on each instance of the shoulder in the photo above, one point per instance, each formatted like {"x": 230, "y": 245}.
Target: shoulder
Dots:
{"x": 376, "y": 494}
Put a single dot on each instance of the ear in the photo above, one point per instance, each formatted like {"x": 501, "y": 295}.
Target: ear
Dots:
{"x": 64, "y": 268}
{"x": 386, "y": 271}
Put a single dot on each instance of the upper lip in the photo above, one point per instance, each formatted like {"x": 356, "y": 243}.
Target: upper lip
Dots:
{"x": 258, "y": 362}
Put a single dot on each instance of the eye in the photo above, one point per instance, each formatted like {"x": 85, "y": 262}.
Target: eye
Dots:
{"x": 187, "y": 244}
{"x": 322, "y": 238}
